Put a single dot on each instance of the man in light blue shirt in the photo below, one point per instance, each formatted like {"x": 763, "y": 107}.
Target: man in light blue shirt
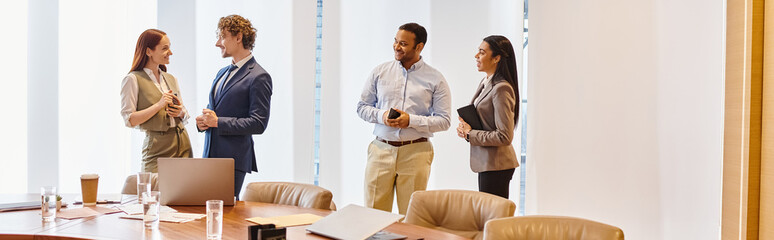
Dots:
{"x": 400, "y": 156}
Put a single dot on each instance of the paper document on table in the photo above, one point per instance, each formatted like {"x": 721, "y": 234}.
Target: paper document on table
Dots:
{"x": 133, "y": 209}
{"x": 85, "y": 212}
{"x": 171, "y": 217}
{"x": 287, "y": 221}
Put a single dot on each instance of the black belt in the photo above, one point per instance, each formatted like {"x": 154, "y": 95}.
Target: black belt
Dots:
{"x": 402, "y": 143}
{"x": 179, "y": 128}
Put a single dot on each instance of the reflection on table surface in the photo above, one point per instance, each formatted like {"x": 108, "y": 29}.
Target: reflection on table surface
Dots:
{"x": 28, "y": 223}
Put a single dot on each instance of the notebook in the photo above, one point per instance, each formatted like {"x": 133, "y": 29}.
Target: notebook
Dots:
{"x": 470, "y": 115}
{"x": 353, "y": 222}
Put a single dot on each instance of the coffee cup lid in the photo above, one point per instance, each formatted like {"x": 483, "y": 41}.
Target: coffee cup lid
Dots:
{"x": 90, "y": 176}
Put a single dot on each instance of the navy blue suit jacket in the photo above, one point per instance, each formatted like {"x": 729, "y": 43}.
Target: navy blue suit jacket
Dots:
{"x": 242, "y": 110}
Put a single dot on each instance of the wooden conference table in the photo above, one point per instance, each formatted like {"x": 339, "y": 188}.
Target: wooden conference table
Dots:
{"x": 28, "y": 225}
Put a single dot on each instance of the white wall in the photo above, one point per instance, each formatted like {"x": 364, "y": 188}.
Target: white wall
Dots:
{"x": 357, "y": 36}
{"x": 13, "y": 20}
{"x": 625, "y": 114}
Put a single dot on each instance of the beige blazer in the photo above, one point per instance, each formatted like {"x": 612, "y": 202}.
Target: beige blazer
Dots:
{"x": 490, "y": 148}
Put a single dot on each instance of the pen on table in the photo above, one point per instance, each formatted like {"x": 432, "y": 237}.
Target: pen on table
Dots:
{"x": 99, "y": 202}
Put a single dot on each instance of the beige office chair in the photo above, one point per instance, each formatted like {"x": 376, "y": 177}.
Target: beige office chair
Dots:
{"x": 130, "y": 185}
{"x": 550, "y": 227}
{"x": 460, "y": 212}
{"x": 288, "y": 193}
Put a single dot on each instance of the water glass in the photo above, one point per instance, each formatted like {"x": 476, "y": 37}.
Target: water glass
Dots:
{"x": 150, "y": 207}
{"x": 142, "y": 188}
{"x": 214, "y": 219}
{"x": 143, "y": 184}
{"x": 48, "y": 203}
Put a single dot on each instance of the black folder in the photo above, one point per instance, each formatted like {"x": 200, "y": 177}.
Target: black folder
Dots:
{"x": 470, "y": 115}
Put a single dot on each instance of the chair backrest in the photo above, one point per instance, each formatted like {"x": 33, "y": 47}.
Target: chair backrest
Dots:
{"x": 130, "y": 185}
{"x": 288, "y": 193}
{"x": 460, "y": 212}
{"x": 550, "y": 227}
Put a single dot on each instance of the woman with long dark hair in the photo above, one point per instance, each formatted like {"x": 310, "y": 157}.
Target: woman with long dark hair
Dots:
{"x": 497, "y": 103}
{"x": 151, "y": 101}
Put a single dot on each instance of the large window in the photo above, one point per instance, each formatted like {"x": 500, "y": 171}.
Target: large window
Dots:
{"x": 523, "y": 112}
{"x": 317, "y": 92}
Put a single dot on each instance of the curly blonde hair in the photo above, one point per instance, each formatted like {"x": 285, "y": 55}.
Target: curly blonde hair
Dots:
{"x": 235, "y": 25}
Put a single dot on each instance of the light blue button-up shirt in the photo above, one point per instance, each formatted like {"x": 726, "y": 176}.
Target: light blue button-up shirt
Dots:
{"x": 421, "y": 91}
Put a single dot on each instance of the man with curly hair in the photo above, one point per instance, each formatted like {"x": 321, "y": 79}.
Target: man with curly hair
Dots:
{"x": 239, "y": 100}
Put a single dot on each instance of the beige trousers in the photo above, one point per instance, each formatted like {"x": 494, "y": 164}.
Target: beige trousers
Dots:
{"x": 172, "y": 143}
{"x": 401, "y": 170}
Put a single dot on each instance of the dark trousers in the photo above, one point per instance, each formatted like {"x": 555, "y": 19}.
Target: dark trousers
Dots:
{"x": 495, "y": 182}
{"x": 239, "y": 179}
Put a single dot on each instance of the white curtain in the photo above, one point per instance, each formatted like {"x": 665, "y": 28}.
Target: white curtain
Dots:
{"x": 95, "y": 53}
{"x": 625, "y": 118}
{"x": 13, "y": 21}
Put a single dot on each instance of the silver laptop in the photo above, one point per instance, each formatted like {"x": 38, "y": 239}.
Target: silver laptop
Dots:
{"x": 353, "y": 222}
{"x": 193, "y": 181}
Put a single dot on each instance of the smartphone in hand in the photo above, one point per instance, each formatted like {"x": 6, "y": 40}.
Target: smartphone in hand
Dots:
{"x": 175, "y": 100}
{"x": 393, "y": 114}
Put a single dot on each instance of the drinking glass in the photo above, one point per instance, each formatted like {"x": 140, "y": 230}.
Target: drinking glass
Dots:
{"x": 48, "y": 203}
{"x": 214, "y": 219}
{"x": 143, "y": 184}
{"x": 150, "y": 207}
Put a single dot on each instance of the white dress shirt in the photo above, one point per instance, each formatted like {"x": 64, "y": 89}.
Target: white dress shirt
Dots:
{"x": 129, "y": 91}
{"x": 238, "y": 66}
{"x": 421, "y": 91}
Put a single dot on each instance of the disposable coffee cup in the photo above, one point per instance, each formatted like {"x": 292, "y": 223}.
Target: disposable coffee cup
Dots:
{"x": 89, "y": 189}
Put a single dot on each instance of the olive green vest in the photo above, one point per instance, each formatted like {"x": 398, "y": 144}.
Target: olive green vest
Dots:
{"x": 148, "y": 94}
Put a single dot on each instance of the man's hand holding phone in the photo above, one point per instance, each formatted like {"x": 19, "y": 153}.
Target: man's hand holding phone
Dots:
{"x": 397, "y": 118}
{"x": 393, "y": 114}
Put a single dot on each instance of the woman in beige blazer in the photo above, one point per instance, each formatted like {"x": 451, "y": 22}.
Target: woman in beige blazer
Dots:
{"x": 150, "y": 101}
{"x": 497, "y": 102}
